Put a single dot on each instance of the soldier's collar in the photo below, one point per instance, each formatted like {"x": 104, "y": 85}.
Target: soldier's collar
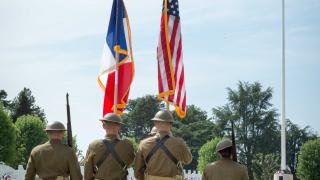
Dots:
{"x": 164, "y": 133}
{"x": 54, "y": 141}
{"x": 111, "y": 136}
{"x": 226, "y": 158}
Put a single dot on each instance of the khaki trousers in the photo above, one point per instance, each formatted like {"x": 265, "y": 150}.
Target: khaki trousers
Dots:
{"x": 62, "y": 178}
{"x": 58, "y": 178}
{"x": 150, "y": 177}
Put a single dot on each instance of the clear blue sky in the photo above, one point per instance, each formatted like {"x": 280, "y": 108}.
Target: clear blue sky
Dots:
{"x": 54, "y": 47}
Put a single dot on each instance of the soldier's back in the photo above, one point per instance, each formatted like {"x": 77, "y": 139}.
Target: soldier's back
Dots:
{"x": 160, "y": 163}
{"x": 225, "y": 169}
{"x": 110, "y": 168}
{"x": 53, "y": 159}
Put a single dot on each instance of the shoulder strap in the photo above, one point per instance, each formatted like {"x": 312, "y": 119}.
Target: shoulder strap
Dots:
{"x": 115, "y": 155}
{"x": 104, "y": 156}
{"x": 169, "y": 154}
{"x": 156, "y": 147}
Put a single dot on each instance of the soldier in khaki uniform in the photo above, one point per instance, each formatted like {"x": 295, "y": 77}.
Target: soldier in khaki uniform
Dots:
{"x": 160, "y": 157}
{"x": 225, "y": 168}
{"x": 53, "y": 160}
{"x": 109, "y": 158}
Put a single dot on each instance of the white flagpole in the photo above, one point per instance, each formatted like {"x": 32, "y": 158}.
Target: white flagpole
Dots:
{"x": 283, "y": 103}
{"x": 282, "y": 174}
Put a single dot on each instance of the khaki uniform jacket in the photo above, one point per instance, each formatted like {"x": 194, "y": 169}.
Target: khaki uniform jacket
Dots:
{"x": 53, "y": 159}
{"x": 225, "y": 169}
{"x": 160, "y": 164}
{"x": 110, "y": 168}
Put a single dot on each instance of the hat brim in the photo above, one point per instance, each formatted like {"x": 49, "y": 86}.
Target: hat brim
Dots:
{"x": 116, "y": 122}
{"x": 220, "y": 149}
{"x": 156, "y": 119}
{"x": 55, "y": 129}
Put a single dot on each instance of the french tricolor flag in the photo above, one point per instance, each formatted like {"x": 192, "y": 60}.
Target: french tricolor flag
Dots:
{"x": 118, "y": 39}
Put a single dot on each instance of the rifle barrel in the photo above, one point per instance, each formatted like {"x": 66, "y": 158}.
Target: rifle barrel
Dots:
{"x": 69, "y": 129}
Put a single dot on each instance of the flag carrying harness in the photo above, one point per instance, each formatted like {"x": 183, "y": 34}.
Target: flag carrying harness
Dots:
{"x": 111, "y": 150}
{"x": 160, "y": 144}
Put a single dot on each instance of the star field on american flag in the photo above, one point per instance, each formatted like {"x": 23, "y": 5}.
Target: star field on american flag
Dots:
{"x": 173, "y": 8}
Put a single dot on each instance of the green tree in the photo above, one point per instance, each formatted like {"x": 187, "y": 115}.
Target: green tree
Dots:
{"x": 309, "y": 160}
{"x": 31, "y": 133}
{"x": 140, "y": 111}
{"x": 254, "y": 118}
{"x": 207, "y": 153}
{"x": 8, "y": 138}
{"x": 21, "y": 151}
{"x": 296, "y": 136}
{"x": 196, "y": 129}
{"x": 3, "y": 99}
{"x": 24, "y": 104}
{"x": 265, "y": 165}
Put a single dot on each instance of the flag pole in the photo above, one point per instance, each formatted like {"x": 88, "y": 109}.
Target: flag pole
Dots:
{"x": 283, "y": 174}
{"x": 116, "y": 78}
{"x": 165, "y": 12}
{"x": 283, "y": 105}
{"x": 116, "y": 84}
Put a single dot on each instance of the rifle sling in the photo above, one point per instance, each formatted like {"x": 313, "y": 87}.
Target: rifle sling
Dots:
{"x": 160, "y": 144}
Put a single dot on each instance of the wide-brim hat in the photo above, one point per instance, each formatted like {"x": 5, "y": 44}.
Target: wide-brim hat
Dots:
{"x": 164, "y": 116}
{"x": 55, "y": 126}
{"x": 113, "y": 118}
{"x": 223, "y": 144}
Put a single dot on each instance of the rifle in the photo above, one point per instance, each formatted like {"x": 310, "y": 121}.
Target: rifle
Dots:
{"x": 234, "y": 147}
{"x": 69, "y": 130}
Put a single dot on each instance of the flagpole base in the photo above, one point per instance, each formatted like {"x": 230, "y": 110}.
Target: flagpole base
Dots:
{"x": 282, "y": 176}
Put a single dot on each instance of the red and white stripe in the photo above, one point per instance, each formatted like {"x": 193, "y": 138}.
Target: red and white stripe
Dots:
{"x": 171, "y": 82}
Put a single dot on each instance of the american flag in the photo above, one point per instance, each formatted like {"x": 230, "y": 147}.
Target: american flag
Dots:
{"x": 169, "y": 53}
